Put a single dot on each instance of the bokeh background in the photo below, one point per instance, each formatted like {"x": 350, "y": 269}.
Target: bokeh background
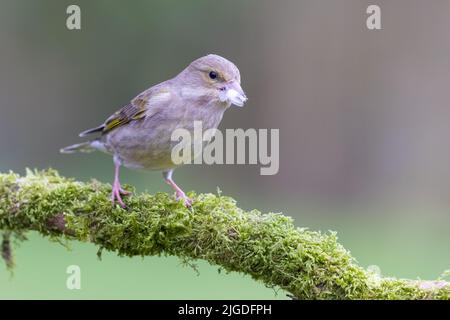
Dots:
{"x": 364, "y": 123}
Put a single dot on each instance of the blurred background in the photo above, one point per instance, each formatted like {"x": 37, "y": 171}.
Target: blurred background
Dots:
{"x": 363, "y": 115}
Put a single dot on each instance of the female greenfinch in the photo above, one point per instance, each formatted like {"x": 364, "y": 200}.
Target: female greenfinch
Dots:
{"x": 138, "y": 136}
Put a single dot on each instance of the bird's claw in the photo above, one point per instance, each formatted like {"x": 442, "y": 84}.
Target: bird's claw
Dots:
{"x": 117, "y": 193}
{"x": 125, "y": 192}
{"x": 187, "y": 201}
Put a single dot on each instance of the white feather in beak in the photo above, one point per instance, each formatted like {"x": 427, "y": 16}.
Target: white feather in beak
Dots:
{"x": 233, "y": 94}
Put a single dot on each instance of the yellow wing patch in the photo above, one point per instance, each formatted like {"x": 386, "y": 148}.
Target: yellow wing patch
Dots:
{"x": 137, "y": 109}
{"x": 133, "y": 111}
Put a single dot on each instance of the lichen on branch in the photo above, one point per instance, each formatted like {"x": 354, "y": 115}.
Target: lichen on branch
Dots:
{"x": 267, "y": 247}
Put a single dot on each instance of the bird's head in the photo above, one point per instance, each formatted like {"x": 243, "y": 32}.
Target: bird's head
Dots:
{"x": 215, "y": 77}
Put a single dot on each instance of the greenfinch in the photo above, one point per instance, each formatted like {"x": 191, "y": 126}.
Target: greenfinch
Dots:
{"x": 138, "y": 136}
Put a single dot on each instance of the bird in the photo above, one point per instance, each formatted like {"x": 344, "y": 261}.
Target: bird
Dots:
{"x": 138, "y": 136}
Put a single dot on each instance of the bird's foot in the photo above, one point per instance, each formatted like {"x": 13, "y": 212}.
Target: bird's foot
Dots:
{"x": 180, "y": 195}
{"x": 125, "y": 192}
{"x": 117, "y": 193}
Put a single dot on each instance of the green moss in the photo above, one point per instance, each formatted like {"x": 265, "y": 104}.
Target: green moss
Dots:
{"x": 268, "y": 247}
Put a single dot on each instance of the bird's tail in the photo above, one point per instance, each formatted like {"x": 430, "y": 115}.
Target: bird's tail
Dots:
{"x": 86, "y": 147}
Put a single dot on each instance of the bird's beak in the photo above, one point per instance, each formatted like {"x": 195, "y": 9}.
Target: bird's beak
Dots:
{"x": 233, "y": 93}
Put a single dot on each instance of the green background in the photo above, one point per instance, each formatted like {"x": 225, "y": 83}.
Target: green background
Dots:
{"x": 363, "y": 118}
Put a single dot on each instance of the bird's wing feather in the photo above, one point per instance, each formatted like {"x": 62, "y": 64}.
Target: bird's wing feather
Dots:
{"x": 139, "y": 108}
{"x": 135, "y": 110}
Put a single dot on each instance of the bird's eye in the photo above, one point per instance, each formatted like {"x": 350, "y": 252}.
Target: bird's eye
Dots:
{"x": 213, "y": 75}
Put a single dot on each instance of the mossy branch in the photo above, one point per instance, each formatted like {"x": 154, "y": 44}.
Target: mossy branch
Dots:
{"x": 268, "y": 247}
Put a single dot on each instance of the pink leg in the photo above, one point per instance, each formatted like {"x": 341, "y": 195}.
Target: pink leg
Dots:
{"x": 117, "y": 190}
{"x": 178, "y": 192}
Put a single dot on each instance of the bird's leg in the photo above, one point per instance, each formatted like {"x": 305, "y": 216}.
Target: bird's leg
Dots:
{"x": 178, "y": 192}
{"x": 117, "y": 190}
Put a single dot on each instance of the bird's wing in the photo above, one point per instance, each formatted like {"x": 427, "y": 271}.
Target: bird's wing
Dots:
{"x": 139, "y": 108}
{"x": 135, "y": 110}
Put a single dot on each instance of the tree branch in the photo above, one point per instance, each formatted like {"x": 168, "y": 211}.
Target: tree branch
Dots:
{"x": 307, "y": 264}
